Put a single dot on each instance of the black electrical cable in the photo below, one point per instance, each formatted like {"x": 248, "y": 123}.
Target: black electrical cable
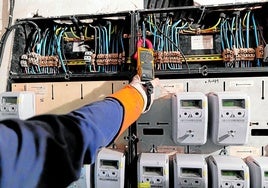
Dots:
{"x": 7, "y": 33}
{"x": 11, "y": 10}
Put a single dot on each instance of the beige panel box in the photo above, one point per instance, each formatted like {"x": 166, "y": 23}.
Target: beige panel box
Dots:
{"x": 62, "y": 97}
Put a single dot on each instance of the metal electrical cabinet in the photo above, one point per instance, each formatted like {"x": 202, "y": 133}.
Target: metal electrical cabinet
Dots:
{"x": 202, "y": 50}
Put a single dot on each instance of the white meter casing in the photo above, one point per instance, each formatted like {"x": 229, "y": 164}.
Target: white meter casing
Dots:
{"x": 110, "y": 168}
{"x": 189, "y": 118}
{"x": 229, "y": 117}
{"x": 190, "y": 171}
{"x": 85, "y": 180}
{"x": 153, "y": 168}
{"x": 228, "y": 172}
{"x": 258, "y": 169}
{"x": 17, "y": 105}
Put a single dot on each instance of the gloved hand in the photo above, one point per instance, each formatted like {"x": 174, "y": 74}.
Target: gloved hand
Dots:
{"x": 147, "y": 90}
{"x": 136, "y": 98}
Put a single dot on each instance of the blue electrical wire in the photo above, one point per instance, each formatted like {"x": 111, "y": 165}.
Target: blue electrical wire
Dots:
{"x": 99, "y": 46}
{"x": 240, "y": 33}
{"x": 161, "y": 47}
{"x": 177, "y": 38}
{"x": 143, "y": 33}
{"x": 59, "y": 38}
{"x": 172, "y": 31}
{"x": 236, "y": 37}
{"x": 121, "y": 40}
{"x": 226, "y": 35}
{"x": 232, "y": 40}
{"x": 256, "y": 37}
{"x": 247, "y": 30}
{"x": 154, "y": 33}
{"x": 103, "y": 40}
{"x": 221, "y": 36}
{"x": 109, "y": 32}
{"x": 166, "y": 33}
{"x": 247, "y": 34}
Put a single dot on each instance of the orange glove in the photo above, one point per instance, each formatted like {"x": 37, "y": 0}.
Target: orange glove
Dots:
{"x": 136, "y": 98}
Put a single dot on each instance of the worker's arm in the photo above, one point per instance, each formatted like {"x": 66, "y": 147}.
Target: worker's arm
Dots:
{"x": 50, "y": 149}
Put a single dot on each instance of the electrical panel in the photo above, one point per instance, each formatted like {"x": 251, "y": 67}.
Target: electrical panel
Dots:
{"x": 190, "y": 170}
{"x": 190, "y": 118}
{"x": 228, "y": 171}
{"x": 77, "y": 47}
{"x": 207, "y": 39}
{"x": 195, "y": 40}
{"x": 17, "y": 105}
{"x": 229, "y": 114}
{"x": 203, "y": 54}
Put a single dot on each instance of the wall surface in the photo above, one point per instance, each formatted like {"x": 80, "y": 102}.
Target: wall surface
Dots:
{"x": 27, "y": 8}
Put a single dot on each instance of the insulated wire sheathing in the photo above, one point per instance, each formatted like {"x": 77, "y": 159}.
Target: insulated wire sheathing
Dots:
{"x": 226, "y": 34}
{"x": 213, "y": 28}
{"x": 154, "y": 33}
{"x": 44, "y": 44}
{"x": 240, "y": 29}
{"x": 59, "y": 52}
{"x": 247, "y": 34}
{"x": 177, "y": 47}
{"x": 8, "y": 32}
{"x": 143, "y": 33}
{"x": 167, "y": 41}
{"x": 232, "y": 39}
{"x": 221, "y": 34}
{"x": 73, "y": 33}
{"x": 236, "y": 37}
{"x": 247, "y": 30}
{"x": 172, "y": 31}
{"x": 256, "y": 37}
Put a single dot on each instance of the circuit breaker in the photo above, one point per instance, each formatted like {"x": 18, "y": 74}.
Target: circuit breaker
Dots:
{"x": 229, "y": 117}
{"x": 190, "y": 118}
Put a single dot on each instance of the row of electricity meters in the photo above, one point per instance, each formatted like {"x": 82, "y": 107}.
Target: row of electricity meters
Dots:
{"x": 179, "y": 170}
{"x": 227, "y": 114}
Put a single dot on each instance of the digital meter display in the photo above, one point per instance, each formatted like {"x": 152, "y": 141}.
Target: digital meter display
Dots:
{"x": 113, "y": 164}
{"x": 191, "y": 172}
{"x": 9, "y": 100}
{"x": 234, "y": 174}
{"x": 191, "y": 103}
{"x": 266, "y": 174}
{"x": 153, "y": 171}
{"x": 233, "y": 103}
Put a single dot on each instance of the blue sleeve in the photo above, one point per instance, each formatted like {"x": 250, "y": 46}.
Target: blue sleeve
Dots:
{"x": 49, "y": 150}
